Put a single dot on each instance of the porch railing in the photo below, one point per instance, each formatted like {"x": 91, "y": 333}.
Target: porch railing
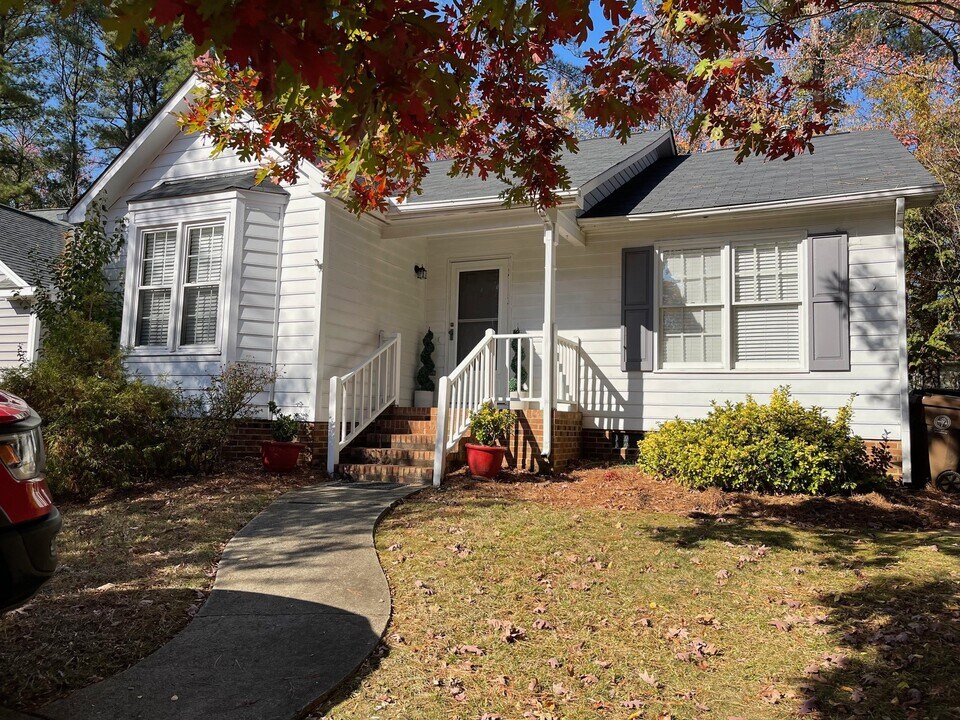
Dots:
{"x": 568, "y": 370}
{"x": 357, "y": 398}
{"x": 501, "y": 367}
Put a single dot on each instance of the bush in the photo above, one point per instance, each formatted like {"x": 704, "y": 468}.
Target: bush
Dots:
{"x": 284, "y": 428}
{"x": 102, "y": 429}
{"x": 488, "y": 424}
{"x": 780, "y": 447}
{"x": 206, "y": 420}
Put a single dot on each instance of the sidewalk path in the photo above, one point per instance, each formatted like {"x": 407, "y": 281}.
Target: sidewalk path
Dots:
{"x": 299, "y": 602}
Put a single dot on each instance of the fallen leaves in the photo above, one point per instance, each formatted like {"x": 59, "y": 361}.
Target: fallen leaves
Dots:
{"x": 509, "y": 633}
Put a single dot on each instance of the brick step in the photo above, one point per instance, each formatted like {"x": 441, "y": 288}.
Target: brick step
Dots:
{"x": 403, "y": 425}
{"x": 388, "y": 456}
{"x": 364, "y": 472}
{"x": 410, "y": 413}
{"x": 407, "y": 441}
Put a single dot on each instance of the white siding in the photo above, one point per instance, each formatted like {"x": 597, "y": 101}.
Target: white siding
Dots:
{"x": 258, "y": 328}
{"x": 588, "y": 307}
{"x": 369, "y": 287}
{"x": 14, "y": 332}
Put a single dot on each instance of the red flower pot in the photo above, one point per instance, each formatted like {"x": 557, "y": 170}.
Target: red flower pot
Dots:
{"x": 280, "y": 456}
{"x": 485, "y": 461}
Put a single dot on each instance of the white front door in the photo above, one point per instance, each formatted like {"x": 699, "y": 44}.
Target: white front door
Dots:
{"x": 478, "y": 301}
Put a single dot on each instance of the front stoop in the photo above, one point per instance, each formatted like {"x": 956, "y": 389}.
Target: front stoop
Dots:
{"x": 397, "y": 447}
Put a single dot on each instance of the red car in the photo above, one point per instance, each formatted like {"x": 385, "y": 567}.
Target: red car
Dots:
{"x": 29, "y": 521}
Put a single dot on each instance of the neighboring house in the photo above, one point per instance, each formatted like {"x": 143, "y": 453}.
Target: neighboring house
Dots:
{"x": 28, "y": 244}
{"x": 662, "y": 283}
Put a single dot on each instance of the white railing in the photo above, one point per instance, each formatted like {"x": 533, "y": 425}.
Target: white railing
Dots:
{"x": 568, "y": 371}
{"x": 501, "y": 367}
{"x": 470, "y": 385}
{"x": 357, "y": 398}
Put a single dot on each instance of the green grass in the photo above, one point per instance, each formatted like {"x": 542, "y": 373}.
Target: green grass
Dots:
{"x": 615, "y": 605}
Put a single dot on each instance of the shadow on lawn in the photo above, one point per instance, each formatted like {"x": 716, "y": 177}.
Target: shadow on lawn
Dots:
{"x": 908, "y": 637}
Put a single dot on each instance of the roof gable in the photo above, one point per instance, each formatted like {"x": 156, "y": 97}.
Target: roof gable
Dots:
{"x": 590, "y": 164}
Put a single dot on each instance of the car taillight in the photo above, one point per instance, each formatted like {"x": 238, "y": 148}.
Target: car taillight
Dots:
{"x": 22, "y": 454}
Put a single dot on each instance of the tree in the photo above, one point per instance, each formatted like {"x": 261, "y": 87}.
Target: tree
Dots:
{"x": 72, "y": 77}
{"x": 19, "y": 100}
{"x": 136, "y": 78}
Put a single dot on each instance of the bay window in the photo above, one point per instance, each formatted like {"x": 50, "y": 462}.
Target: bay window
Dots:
{"x": 178, "y": 291}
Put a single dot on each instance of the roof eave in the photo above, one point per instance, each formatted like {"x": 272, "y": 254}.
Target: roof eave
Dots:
{"x": 919, "y": 195}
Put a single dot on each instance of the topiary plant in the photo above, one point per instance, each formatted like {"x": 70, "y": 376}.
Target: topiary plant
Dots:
{"x": 488, "y": 424}
{"x": 427, "y": 368}
{"x": 518, "y": 356}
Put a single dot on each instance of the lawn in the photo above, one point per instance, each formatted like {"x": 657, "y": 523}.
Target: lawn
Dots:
{"x": 613, "y": 596}
{"x": 135, "y": 567}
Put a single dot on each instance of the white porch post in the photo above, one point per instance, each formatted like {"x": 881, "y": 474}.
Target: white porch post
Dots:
{"x": 549, "y": 365}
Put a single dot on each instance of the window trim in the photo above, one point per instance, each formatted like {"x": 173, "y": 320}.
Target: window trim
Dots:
{"x": 726, "y": 242}
{"x": 214, "y": 209}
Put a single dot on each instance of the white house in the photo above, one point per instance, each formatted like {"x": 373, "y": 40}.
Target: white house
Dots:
{"x": 661, "y": 283}
{"x": 28, "y": 244}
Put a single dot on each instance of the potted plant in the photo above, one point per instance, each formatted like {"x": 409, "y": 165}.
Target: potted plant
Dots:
{"x": 487, "y": 425}
{"x": 282, "y": 454}
{"x": 423, "y": 394}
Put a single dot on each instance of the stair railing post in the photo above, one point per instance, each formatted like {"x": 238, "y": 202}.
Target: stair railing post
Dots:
{"x": 333, "y": 425}
{"x": 396, "y": 371}
{"x": 491, "y": 379}
{"x": 440, "y": 448}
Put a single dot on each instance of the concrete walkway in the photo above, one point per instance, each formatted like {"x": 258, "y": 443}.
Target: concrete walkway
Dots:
{"x": 299, "y": 602}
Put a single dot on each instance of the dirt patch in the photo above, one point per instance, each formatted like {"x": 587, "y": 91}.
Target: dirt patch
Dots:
{"x": 135, "y": 566}
{"x": 626, "y": 488}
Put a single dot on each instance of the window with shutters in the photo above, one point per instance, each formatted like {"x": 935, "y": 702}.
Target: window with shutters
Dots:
{"x": 735, "y": 305}
{"x": 179, "y": 286}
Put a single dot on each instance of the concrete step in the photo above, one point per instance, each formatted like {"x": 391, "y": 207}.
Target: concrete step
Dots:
{"x": 365, "y": 472}
{"x": 388, "y": 456}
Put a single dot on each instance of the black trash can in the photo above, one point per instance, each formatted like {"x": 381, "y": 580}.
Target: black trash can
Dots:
{"x": 935, "y": 429}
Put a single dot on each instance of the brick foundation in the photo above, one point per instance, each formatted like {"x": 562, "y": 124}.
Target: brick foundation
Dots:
{"x": 610, "y": 445}
{"x": 525, "y": 442}
{"x": 896, "y": 456}
{"x": 247, "y": 436}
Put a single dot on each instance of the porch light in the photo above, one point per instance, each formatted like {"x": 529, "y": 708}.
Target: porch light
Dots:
{"x": 421, "y": 272}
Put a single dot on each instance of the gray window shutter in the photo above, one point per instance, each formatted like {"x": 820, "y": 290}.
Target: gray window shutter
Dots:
{"x": 637, "y": 309}
{"x": 829, "y": 302}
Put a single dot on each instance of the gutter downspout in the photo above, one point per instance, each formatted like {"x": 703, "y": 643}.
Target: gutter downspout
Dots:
{"x": 904, "y": 374}
{"x": 548, "y": 368}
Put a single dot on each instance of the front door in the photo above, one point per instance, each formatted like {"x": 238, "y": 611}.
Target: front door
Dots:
{"x": 478, "y": 302}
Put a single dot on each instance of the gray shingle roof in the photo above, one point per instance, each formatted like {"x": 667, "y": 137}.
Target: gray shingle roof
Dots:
{"x": 246, "y": 180}
{"x": 26, "y": 239}
{"x": 870, "y": 161}
{"x": 594, "y": 157}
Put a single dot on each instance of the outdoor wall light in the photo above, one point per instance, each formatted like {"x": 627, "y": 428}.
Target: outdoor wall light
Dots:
{"x": 420, "y": 271}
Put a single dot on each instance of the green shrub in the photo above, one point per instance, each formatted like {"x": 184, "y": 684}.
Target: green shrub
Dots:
{"x": 284, "y": 428}
{"x": 102, "y": 429}
{"x": 487, "y": 425}
{"x": 780, "y": 447}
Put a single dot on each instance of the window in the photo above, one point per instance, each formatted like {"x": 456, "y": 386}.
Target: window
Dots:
{"x": 180, "y": 304}
{"x": 691, "y": 313}
{"x": 731, "y": 306}
{"x": 766, "y": 304}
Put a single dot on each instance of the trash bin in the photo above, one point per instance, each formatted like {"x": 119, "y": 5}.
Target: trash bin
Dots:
{"x": 937, "y": 414}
